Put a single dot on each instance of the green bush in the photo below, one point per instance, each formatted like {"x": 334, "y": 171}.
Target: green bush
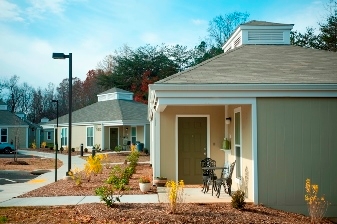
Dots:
{"x": 118, "y": 148}
{"x": 133, "y": 158}
{"x": 238, "y": 199}
{"x": 107, "y": 194}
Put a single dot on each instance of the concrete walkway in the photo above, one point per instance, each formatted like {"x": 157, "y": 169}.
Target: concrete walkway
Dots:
{"x": 9, "y": 192}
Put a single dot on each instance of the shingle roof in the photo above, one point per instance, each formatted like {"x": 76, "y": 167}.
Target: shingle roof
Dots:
{"x": 113, "y": 90}
{"x": 275, "y": 64}
{"x": 8, "y": 118}
{"x": 264, "y": 23}
{"x": 110, "y": 110}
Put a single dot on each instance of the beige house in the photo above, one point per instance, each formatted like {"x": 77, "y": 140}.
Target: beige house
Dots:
{"x": 12, "y": 128}
{"x": 275, "y": 102}
{"x": 115, "y": 120}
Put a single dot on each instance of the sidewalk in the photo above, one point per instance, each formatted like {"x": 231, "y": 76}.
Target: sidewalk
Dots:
{"x": 9, "y": 192}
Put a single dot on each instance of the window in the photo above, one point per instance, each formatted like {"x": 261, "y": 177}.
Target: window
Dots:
{"x": 64, "y": 136}
{"x": 90, "y": 136}
{"x": 48, "y": 135}
{"x": 4, "y": 135}
{"x": 133, "y": 135}
{"x": 237, "y": 141}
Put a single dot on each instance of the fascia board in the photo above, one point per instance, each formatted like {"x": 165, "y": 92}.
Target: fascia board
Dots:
{"x": 244, "y": 87}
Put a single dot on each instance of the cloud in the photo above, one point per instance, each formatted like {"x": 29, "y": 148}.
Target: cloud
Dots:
{"x": 9, "y": 11}
{"x": 39, "y": 8}
{"x": 199, "y": 21}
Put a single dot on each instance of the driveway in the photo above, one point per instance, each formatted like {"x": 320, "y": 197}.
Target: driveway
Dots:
{"x": 14, "y": 176}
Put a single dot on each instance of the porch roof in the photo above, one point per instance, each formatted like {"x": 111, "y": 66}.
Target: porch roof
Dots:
{"x": 263, "y": 64}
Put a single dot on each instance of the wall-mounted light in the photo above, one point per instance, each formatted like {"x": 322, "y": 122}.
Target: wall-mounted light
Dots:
{"x": 126, "y": 129}
{"x": 228, "y": 120}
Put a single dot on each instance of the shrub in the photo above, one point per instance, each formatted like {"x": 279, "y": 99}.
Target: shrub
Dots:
{"x": 146, "y": 150}
{"x": 175, "y": 194}
{"x": 73, "y": 149}
{"x": 34, "y": 144}
{"x": 76, "y": 176}
{"x": 133, "y": 147}
{"x": 94, "y": 165}
{"x": 85, "y": 149}
{"x": 133, "y": 158}
{"x": 117, "y": 178}
{"x": 107, "y": 194}
{"x": 118, "y": 148}
{"x": 238, "y": 199}
{"x": 97, "y": 147}
{"x": 317, "y": 206}
{"x": 43, "y": 144}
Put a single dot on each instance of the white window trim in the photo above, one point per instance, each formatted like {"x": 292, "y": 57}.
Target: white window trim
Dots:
{"x": 6, "y": 135}
{"x": 48, "y": 135}
{"x": 238, "y": 110}
{"x": 93, "y": 136}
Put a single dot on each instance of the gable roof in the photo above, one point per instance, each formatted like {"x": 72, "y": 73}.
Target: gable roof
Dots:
{"x": 9, "y": 119}
{"x": 112, "y": 110}
{"x": 264, "y": 64}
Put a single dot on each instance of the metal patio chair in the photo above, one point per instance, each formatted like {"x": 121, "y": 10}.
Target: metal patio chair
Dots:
{"x": 225, "y": 180}
{"x": 208, "y": 176}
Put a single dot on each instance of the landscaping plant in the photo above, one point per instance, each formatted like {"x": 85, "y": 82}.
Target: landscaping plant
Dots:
{"x": 107, "y": 194}
{"x": 317, "y": 206}
{"x": 238, "y": 199}
{"x": 94, "y": 165}
{"x": 76, "y": 176}
{"x": 175, "y": 194}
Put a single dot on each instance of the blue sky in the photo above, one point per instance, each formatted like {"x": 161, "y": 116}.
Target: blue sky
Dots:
{"x": 31, "y": 30}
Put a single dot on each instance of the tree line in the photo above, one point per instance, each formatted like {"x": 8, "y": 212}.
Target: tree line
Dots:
{"x": 134, "y": 69}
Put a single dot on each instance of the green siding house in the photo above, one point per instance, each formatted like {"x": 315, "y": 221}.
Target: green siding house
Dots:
{"x": 277, "y": 105}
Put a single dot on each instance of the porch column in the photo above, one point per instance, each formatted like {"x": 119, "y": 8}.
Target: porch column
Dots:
{"x": 102, "y": 145}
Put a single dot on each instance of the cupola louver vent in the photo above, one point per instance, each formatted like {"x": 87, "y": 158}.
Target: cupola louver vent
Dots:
{"x": 267, "y": 36}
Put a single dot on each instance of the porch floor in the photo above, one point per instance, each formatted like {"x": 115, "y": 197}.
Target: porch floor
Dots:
{"x": 194, "y": 195}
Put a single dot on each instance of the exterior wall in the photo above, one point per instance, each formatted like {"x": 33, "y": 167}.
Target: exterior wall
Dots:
{"x": 106, "y": 138}
{"x": 78, "y": 136}
{"x": 246, "y": 183}
{"x": 97, "y": 134}
{"x": 140, "y": 134}
{"x": 21, "y": 133}
{"x": 296, "y": 140}
{"x": 45, "y": 135}
{"x": 168, "y": 166}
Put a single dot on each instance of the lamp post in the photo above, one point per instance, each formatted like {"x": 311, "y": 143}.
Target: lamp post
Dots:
{"x": 64, "y": 56}
{"x": 56, "y": 135}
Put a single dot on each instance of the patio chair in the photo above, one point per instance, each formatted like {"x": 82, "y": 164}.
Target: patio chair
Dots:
{"x": 225, "y": 180}
{"x": 208, "y": 174}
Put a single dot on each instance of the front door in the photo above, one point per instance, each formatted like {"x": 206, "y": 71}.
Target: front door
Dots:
{"x": 113, "y": 138}
{"x": 192, "y": 145}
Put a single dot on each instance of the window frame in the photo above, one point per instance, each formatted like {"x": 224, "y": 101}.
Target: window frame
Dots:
{"x": 238, "y": 143}
{"x": 134, "y": 136}
{"x": 4, "y": 135}
{"x": 48, "y": 135}
{"x": 93, "y": 136}
{"x": 64, "y": 139}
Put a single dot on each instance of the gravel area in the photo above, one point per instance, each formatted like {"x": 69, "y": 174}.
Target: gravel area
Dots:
{"x": 134, "y": 213}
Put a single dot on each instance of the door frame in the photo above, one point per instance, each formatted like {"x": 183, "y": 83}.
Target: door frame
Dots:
{"x": 208, "y": 149}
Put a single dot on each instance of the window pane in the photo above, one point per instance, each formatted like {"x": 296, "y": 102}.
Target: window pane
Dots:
{"x": 237, "y": 128}
{"x": 238, "y": 161}
{"x": 3, "y": 131}
{"x": 3, "y": 138}
{"x": 133, "y": 131}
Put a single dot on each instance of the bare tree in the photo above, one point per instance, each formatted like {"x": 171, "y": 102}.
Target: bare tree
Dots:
{"x": 14, "y": 92}
{"x": 221, "y": 27}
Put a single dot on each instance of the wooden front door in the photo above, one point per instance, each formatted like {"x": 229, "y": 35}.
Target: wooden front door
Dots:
{"x": 113, "y": 138}
{"x": 192, "y": 145}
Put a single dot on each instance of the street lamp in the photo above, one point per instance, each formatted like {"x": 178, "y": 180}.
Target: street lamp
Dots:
{"x": 56, "y": 135}
{"x": 64, "y": 56}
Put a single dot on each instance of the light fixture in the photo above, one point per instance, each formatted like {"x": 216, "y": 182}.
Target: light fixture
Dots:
{"x": 64, "y": 56}
{"x": 228, "y": 120}
{"x": 126, "y": 129}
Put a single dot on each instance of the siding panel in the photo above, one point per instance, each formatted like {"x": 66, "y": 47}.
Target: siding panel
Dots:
{"x": 297, "y": 139}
